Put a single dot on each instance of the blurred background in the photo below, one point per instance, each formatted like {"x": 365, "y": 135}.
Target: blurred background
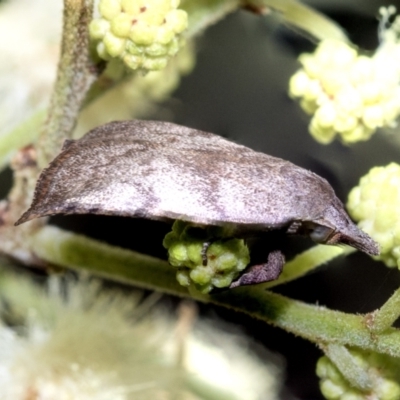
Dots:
{"x": 238, "y": 89}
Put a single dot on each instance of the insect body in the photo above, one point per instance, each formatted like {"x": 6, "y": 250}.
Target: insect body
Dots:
{"x": 160, "y": 170}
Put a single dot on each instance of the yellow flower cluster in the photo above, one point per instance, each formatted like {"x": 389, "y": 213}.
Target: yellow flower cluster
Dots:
{"x": 349, "y": 94}
{"x": 382, "y": 369}
{"x": 142, "y": 33}
{"x": 375, "y": 204}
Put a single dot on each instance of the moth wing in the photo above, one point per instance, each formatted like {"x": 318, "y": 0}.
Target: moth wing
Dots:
{"x": 161, "y": 170}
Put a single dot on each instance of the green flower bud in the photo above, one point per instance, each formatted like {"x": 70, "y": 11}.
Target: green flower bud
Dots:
{"x": 132, "y": 61}
{"x": 225, "y": 257}
{"x": 164, "y": 35}
{"x": 223, "y": 281}
{"x": 177, "y": 20}
{"x": 109, "y": 8}
{"x": 154, "y": 64}
{"x": 132, "y": 7}
{"x": 114, "y": 45}
{"x": 178, "y": 254}
{"x": 352, "y": 395}
{"x": 102, "y": 52}
{"x": 182, "y": 276}
{"x": 383, "y": 370}
{"x": 174, "y": 46}
{"x": 201, "y": 275}
{"x": 330, "y": 390}
{"x": 133, "y": 49}
{"x": 389, "y": 390}
{"x": 121, "y": 25}
{"x": 156, "y": 50}
{"x": 143, "y": 34}
{"x": 98, "y": 28}
{"x": 194, "y": 253}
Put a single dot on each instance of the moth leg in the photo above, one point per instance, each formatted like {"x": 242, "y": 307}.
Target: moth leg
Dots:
{"x": 293, "y": 227}
{"x": 263, "y": 272}
{"x": 204, "y": 249}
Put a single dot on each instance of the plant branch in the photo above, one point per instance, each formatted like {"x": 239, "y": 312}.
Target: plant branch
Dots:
{"x": 76, "y": 74}
{"x": 317, "y": 324}
{"x": 347, "y": 364}
{"x": 79, "y": 252}
{"x": 203, "y": 13}
{"x": 382, "y": 319}
{"x": 303, "y": 17}
{"x": 314, "y": 323}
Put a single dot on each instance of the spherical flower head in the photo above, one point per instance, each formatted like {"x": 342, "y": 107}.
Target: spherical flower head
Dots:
{"x": 382, "y": 369}
{"x": 375, "y": 204}
{"x": 206, "y": 257}
{"x": 348, "y": 94}
{"x": 144, "y": 34}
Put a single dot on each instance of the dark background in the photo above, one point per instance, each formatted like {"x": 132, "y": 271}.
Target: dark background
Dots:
{"x": 238, "y": 89}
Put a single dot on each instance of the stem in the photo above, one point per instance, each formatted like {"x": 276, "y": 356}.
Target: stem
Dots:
{"x": 76, "y": 73}
{"x": 303, "y": 17}
{"x": 317, "y": 324}
{"x": 307, "y": 261}
{"x": 382, "y": 319}
{"x": 25, "y": 133}
{"x": 203, "y": 13}
{"x": 356, "y": 375}
{"x": 79, "y": 252}
{"x": 314, "y": 323}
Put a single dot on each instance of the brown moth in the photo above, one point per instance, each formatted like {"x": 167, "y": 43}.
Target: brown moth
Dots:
{"x": 160, "y": 170}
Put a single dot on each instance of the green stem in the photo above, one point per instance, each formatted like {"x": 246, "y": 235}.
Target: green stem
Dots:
{"x": 382, "y": 319}
{"x": 307, "y": 261}
{"x": 76, "y": 73}
{"x": 315, "y": 323}
{"x": 303, "y": 17}
{"x": 356, "y": 375}
{"x": 203, "y": 13}
{"x": 25, "y": 133}
{"x": 74, "y": 251}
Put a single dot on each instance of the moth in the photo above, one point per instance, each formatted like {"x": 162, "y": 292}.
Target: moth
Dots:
{"x": 163, "y": 171}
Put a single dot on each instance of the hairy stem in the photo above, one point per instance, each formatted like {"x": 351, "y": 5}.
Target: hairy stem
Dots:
{"x": 203, "y": 13}
{"x": 76, "y": 73}
{"x": 303, "y": 17}
{"x": 70, "y": 250}
{"x": 382, "y": 319}
{"x": 317, "y": 324}
{"x": 346, "y": 363}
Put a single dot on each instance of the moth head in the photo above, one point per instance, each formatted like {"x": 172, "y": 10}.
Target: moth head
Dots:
{"x": 344, "y": 231}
